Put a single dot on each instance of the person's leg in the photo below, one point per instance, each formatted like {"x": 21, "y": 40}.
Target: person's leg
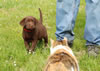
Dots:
{"x": 77, "y": 3}
{"x": 92, "y": 28}
{"x": 66, "y": 13}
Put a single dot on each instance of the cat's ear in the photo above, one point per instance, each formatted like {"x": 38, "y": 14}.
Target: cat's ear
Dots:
{"x": 52, "y": 41}
{"x": 65, "y": 41}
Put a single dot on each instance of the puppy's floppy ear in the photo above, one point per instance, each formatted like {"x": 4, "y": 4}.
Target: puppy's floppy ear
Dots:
{"x": 22, "y": 22}
{"x": 52, "y": 41}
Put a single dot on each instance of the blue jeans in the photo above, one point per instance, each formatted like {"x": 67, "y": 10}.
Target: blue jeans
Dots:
{"x": 66, "y": 13}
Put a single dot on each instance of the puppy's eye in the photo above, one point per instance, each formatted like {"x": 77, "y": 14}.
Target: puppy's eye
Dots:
{"x": 32, "y": 20}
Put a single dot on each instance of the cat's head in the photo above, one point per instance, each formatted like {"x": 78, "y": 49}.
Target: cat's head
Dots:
{"x": 59, "y": 45}
{"x": 56, "y": 43}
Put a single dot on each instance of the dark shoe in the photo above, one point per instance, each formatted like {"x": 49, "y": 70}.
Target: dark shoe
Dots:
{"x": 70, "y": 43}
{"x": 93, "y": 50}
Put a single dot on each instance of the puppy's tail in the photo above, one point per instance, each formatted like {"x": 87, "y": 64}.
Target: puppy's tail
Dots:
{"x": 41, "y": 20}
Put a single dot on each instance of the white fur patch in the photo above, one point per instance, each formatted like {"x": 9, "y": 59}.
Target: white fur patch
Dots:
{"x": 72, "y": 69}
{"x": 53, "y": 50}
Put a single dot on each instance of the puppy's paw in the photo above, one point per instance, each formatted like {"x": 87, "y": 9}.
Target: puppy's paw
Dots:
{"x": 33, "y": 53}
{"x": 30, "y": 52}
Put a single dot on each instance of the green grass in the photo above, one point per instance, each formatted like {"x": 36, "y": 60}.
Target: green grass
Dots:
{"x": 12, "y": 49}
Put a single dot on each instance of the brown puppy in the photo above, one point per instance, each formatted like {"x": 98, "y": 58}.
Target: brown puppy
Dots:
{"x": 61, "y": 57}
{"x": 33, "y": 30}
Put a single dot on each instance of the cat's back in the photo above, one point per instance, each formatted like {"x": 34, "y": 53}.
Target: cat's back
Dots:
{"x": 60, "y": 62}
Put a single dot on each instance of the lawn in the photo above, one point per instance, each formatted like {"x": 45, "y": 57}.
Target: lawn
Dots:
{"x": 13, "y": 55}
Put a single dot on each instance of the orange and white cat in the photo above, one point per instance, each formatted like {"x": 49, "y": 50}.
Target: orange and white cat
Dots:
{"x": 61, "y": 57}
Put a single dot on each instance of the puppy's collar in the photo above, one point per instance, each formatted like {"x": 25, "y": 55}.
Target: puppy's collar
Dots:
{"x": 27, "y": 30}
